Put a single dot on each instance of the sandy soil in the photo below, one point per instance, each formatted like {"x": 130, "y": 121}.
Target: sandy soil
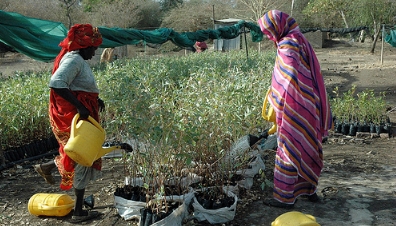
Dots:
{"x": 357, "y": 186}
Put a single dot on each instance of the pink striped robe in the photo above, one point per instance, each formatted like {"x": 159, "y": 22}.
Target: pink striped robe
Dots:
{"x": 302, "y": 110}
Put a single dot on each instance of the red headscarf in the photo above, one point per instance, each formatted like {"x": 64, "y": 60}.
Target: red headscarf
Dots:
{"x": 201, "y": 45}
{"x": 79, "y": 36}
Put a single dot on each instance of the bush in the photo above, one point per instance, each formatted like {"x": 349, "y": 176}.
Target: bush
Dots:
{"x": 184, "y": 110}
{"x": 185, "y": 101}
{"x": 24, "y": 109}
{"x": 364, "y": 107}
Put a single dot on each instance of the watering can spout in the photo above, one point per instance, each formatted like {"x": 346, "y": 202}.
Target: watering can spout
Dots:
{"x": 104, "y": 150}
{"x": 269, "y": 114}
{"x": 109, "y": 147}
{"x": 86, "y": 139}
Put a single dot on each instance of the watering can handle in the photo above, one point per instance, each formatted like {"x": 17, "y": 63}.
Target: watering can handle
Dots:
{"x": 47, "y": 207}
{"x": 264, "y": 110}
{"x": 90, "y": 119}
{"x": 269, "y": 116}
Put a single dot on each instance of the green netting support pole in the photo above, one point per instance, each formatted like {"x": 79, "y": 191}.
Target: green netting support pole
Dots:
{"x": 382, "y": 44}
{"x": 246, "y": 46}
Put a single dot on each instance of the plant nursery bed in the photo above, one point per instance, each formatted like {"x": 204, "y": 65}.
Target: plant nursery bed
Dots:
{"x": 357, "y": 185}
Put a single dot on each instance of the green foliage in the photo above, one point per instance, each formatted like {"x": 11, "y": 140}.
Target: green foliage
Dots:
{"x": 180, "y": 111}
{"x": 185, "y": 109}
{"x": 89, "y": 4}
{"x": 334, "y": 13}
{"x": 167, "y": 5}
{"x": 363, "y": 107}
{"x": 196, "y": 15}
{"x": 326, "y": 13}
{"x": 186, "y": 100}
{"x": 369, "y": 12}
{"x": 24, "y": 109}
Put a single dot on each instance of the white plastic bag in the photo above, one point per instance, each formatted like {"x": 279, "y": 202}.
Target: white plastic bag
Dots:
{"x": 215, "y": 216}
{"x": 249, "y": 173}
{"x": 128, "y": 209}
{"x": 178, "y": 215}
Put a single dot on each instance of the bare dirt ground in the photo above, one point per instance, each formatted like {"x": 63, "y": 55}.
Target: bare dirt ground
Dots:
{"x": 357, "y": 186}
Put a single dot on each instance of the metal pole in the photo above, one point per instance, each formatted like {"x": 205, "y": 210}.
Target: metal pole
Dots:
{"x": 382, "y": 44}
{"x": 213, "y": 15}
{"x": 292, "y": 6}
{"x": 214, "y": 27}
{"x": 247, "y": 52}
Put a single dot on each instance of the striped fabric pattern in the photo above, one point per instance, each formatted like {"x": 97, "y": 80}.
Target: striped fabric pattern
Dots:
{"x": 302, "y": 110}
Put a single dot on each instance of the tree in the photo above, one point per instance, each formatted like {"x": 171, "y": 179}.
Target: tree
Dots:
{"x": 327, "y": 13}
{"x": 296, "y": 11}
{"x": 150, "y": 15}
{"x": 118, "y": 13}
{"x": 167, "y": 5}
{"x": 375, "y": 13}
{"x": 196, "y": 15}
{"x": 255, "y": 9}
{"x": 124, "y": 13}
{"x": 356, "y": 13}
{"x": 46, "y": 10}
{"x": 68, "y": 5}
{"x": 4, "y": 4}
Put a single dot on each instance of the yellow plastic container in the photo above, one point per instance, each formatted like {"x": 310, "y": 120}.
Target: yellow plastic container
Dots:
{"x": 85, "y": 143}
{"x": 45, "y": 204}
{"x": 268, "y": 113}
{"x": 295, "y": 218}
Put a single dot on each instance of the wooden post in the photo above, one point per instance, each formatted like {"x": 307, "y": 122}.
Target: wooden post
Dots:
{"x": 382, "y": 44}
{"x": 246, "y": 46}
{"x": 2, "y": 158}
{"x": 213, "y": 15}
{"x": 292, "y": 7}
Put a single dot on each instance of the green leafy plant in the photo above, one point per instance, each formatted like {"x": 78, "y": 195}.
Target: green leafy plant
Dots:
{"x": 178, "y": 112}
{"x": 24, "y": 109}
{"x": 265, "y": 184}
{"x": 364, "y": 107}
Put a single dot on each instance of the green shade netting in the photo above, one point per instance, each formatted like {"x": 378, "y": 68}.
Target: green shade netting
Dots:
{"x": 39, "y": 39}
{"x": 391, "y": 38}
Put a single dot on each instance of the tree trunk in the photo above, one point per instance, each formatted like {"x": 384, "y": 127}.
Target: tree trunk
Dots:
{"x": 2, "y": 158}
{"x": 345, "y": 21}
{"x": 375, "y": 40}
{"x": 362, "y": 35}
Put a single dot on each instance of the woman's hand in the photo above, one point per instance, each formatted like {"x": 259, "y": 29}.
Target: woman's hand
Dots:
{"x": 68, "y": 95}
{"x": 101, "y": 105}
{"x": 83, "y": 111}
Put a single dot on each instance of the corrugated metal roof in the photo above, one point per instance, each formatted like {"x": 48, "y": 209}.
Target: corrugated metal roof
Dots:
{"x": 227, "y": 21}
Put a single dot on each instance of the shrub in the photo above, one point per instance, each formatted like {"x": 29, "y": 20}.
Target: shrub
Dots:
{"x": 189, "y": 101}
{"x": 24, "y": 109}
{"x": 364, "y": 107}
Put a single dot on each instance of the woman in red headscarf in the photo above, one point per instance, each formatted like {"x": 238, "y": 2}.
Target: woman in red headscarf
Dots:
{"x": 302, "y": 109}
{"x": 200, "y": 46}
{"x": 73, "y": 90}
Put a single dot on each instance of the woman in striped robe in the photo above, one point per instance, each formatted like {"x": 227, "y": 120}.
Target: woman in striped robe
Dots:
{"x": 303, "y": 113}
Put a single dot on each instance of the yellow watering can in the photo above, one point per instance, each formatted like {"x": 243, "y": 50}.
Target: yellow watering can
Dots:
{"x": 86, "y": 139}
{"x": 45, "y": 204}
{"x": 269, "y": 114}
{"x": 295, "y": 218}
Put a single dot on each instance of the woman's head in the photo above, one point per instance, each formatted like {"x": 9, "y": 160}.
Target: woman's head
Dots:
{"x": 201, "y": 46}
{"x": 81, "y": 36}
{"x": 276, "y": 25}
{"x": 88, "y": 53}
